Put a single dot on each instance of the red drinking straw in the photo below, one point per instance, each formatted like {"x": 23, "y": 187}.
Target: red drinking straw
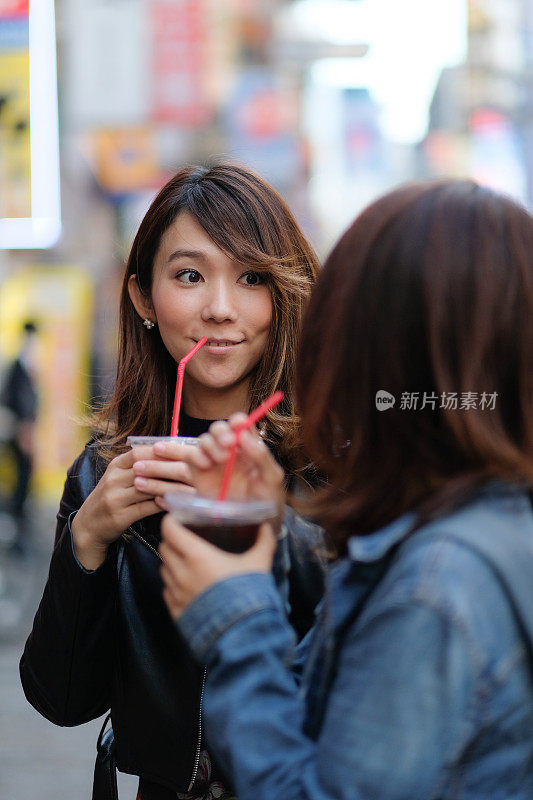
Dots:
{"x": 179, "y": 385}
{"x": 254, "y": 417}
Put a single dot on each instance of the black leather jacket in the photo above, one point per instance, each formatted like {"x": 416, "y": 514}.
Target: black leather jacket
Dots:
{"x": 103, "y": 639}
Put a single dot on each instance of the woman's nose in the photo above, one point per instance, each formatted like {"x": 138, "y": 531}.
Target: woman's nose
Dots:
{"x": 219, "y": 305}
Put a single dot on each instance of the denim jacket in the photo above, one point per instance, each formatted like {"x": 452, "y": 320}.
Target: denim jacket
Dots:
{"x": 417, "y": 679}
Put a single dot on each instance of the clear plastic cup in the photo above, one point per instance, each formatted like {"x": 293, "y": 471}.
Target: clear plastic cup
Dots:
{"x": 232, "y": 525}
{"x": 148, "y": 441}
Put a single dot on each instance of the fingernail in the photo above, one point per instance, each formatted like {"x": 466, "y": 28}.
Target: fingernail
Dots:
{"x": 160, "y": 447}
{"x": 140, "y": 481}
{"x": 139, "y": 466}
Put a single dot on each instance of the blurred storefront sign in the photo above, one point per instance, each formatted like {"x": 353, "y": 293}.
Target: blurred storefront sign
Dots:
{"x": 125, "y": 159}
{"x": 107, "y": 81}
{"x": 30, "y": 214}
{"x": 446, "y": 152}
{"x": 303, "y": 52}
{"x": 261, "y": 124}
{"x": 495, "y": 152}
{"x": 15, "y": 152}
{"x": 13, "y": 8}
{"x": 363, "y": 139}
{"x": 60, "y": 300}
{"x": 179, "y": 61}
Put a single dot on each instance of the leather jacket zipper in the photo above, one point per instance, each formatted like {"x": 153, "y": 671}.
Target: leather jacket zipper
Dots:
{"x": 143, "y": 541}
{"x": 199, "y": 737}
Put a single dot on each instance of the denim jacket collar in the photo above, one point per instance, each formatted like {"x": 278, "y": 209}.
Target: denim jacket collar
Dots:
{"x": 350, "y": 578}
{"x": 375, "y": 546}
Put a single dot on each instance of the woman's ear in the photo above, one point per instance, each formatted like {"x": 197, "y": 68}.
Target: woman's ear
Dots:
{"x": 143, "y": 305}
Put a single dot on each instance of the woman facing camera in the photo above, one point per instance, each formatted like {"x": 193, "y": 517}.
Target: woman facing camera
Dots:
{"x": 219, "y": 255}
{"x": 418, "y": 676}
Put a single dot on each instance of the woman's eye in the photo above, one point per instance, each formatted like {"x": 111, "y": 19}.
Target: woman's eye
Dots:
{"x": 252, "y": 278}
{"x": 189, "y": 276}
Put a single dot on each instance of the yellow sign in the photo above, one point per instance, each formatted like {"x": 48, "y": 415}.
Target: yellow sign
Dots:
{"x": 15, "y": 153}
{"x": 60, "y": 300}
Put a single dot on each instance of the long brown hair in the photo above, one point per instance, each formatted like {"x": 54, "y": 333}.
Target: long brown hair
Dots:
{"x": 428, "y": 293}
{"x": 252, "y": 224}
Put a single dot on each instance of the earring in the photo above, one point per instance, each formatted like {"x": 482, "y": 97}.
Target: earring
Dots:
{"x": 148, "y": 324}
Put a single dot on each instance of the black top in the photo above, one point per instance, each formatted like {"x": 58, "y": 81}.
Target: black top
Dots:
{"x": 193, "y": 426}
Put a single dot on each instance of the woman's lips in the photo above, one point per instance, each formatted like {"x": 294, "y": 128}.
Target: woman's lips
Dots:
{"x": 221, "y": 345}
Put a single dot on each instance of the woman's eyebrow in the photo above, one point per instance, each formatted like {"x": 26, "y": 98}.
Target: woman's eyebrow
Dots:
{"x": 196, "y": 254}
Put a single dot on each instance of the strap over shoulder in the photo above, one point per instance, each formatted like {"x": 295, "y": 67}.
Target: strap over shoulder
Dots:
{"x": 105, "y": 773}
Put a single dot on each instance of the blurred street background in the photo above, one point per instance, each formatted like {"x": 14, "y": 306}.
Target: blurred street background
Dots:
{"x": 101, "y": 101}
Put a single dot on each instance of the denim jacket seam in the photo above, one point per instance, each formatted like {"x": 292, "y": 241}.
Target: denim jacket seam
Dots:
{"x": 201, "y": 637}
{"x": 483, "y": 697}
{"x": 405, "y": 595}
{"x": 422, "y": 590}
{"x": 210, "y": 642}
{"x": 474, "y": 710}
{"x": 483, "y": 684}
{"x": 507, "y": 664}
{"x": 489, "y": 677}
{"x": 435, "y": 544}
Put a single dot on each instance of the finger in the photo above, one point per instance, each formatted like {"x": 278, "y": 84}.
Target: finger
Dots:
{"x": 185, "y": 542}
{"x": 166, "y": 551}
{"x": 141, "y": 452}
{"x": 251, "y": 443}
{"x": 165, "y": 470}
{"x": 236, "y": 420}
{"x": 173, "y": 450}
{"x": 130, "y": 495}
{"x": 174, "y": 608}
{"x": 172, "y": 594}
{"x": 117, "y": 477}
{"x": 123, "y": 461}
{"x": 267, "y": 540}
{"x": 139, "y": 511}
{"x": 213, "y": 449}
{"x": 156, "y": 488}
{"x": 254, "y": 449}
{"x": 199, "y": 459}
{"x": 169, "y": 578}
{"x": 180, "y": 488}
{"x": 260, "y": 555}
{"x": 171, "y": 531}
{"x": 222, "y": 434}
{"x": 171, "y": 548}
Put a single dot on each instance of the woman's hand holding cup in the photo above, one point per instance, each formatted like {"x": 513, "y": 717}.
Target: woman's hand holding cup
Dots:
{"x": 166, "y": 470}
{"x": 191, "y": 564}
{"x": 114, "y": 504}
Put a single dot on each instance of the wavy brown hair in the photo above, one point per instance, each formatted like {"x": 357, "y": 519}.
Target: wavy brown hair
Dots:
{"x": 429, "y": 291}
{"x": 252, "y": 224}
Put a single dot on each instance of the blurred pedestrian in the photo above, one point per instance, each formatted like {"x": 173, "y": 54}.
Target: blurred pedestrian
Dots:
{"x": 418, "y": 677}
{"x": 217, "y": 254}
{"x": 19, "y": 396}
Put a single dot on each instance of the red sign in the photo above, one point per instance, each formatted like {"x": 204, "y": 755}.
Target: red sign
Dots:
{"x": 179, "y": 61}
{"x": 14, "y": 8}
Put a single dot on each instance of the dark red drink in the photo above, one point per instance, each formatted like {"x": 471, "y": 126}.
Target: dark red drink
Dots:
{"x": 232, "y": 538}
{"x": 231, "y": 525}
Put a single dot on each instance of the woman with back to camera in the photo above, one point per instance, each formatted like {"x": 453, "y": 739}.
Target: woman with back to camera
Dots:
{"x": 218, "y": 254}
{"x": 418, "y": 677}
